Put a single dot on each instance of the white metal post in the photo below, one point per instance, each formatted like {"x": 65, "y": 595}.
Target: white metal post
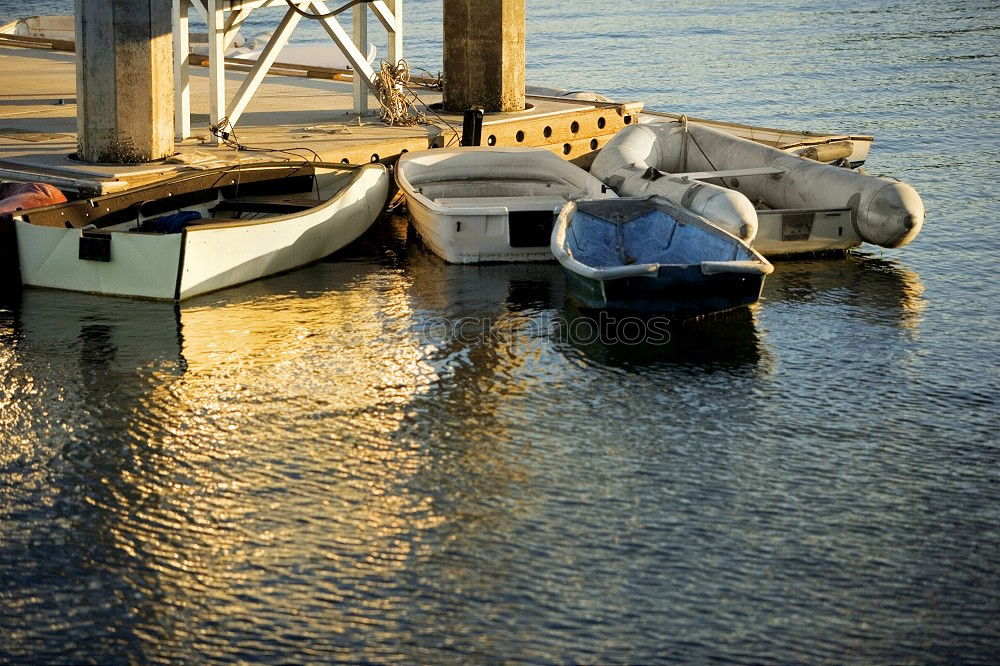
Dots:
{"x": 396, "y": 33}
{"x": 182, "y": 73}
{"x": 361, "y": 41}
{"x": 216, "y": 62}
{"x": 391, "y": 16}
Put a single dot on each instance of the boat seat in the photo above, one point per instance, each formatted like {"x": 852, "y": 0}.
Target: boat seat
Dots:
{"x": 731, "y": 173}
{"x": 276, "y": 205}
{"x": 515, "y": 204}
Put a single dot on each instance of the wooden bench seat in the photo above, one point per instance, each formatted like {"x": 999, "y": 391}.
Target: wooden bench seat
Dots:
{"x": 276, "y": 205}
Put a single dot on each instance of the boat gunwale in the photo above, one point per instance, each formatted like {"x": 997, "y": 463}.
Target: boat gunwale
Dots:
{"x": 807, "y": 137}
{"x": 559, "y": 246}
{"x": 411, "y": 190}
{"x": 208, "y": 224}
{"x": 310, "y": 218}
{"x": 164, "y": 189}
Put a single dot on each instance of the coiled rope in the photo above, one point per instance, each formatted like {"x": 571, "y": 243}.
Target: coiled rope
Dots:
{"x": 390, "y": 82}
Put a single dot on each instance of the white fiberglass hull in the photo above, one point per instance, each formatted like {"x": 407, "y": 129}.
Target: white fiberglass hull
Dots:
{"x": 477, "y": 205}
{"x": 204, "y": 257}
{"x": 474, "y": 235}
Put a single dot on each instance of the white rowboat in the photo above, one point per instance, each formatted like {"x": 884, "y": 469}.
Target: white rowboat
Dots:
{"x": 472, "y": 205}
{"x": 252, "y": 221}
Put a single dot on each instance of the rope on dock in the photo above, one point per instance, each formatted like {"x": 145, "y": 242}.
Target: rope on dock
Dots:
{"x": 391, "y": 81}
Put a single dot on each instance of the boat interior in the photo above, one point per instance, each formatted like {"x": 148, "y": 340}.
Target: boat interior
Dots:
{"x": 463, "y": 190}
{"x": 528, "y": 192}
{"x": 611, "y": 233}
{"x": 249, "y": 195}
{"x": 782, "y": 139}
{"x": 496, "y": 177}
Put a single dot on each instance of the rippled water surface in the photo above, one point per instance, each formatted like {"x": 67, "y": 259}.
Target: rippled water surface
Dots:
{"x": 311, "y": 468}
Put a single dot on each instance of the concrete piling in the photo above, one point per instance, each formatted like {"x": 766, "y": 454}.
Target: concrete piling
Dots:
{"x": 484, "y": 54}
{"x": 125, "y": 93}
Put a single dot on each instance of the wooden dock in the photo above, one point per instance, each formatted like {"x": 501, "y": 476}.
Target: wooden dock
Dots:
{"x": 298, "y": 114}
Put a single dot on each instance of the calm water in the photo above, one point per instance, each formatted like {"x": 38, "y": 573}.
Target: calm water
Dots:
{"x": 309, "y": 468}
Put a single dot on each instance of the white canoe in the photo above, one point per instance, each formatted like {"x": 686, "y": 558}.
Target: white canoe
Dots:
{"x": 256, "y": 220}
{"x": 781, "y": 202}
{"x": 472, "y": 205}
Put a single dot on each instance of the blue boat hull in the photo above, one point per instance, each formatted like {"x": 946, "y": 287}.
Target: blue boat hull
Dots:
{"x": 652, "y": 257}
{"x": 675, "y": 292}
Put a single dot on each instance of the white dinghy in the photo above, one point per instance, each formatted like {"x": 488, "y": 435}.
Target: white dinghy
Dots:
{"x": 782, "y": 202}
{"x": 200, "y": 232}
{"x": 652, "y": 257}
{"x": 472, "y": 205}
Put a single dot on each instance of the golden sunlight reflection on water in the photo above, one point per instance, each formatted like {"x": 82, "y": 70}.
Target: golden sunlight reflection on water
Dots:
{"x": 309, "y": 469}
{"x": 314, "y": 458}
{"x": 225, "y": 440}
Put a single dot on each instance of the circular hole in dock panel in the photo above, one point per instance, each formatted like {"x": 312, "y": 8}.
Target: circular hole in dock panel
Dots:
{"x": 404, "y": 151}
{"x": 567, "y": 149}
{"x": 601, "y": 122}
{"x": 574, "y": 127}
{"x": 594, "y": 144}
{"x": 345, "y": 161}
{"x": 375, "y": 157}
{"x": 627, "y": 120}
{"x": 439, "y": 106}
{"x": 519, "y": 136}
{"x": 491, "y": 140}
{"x": 547, "y": 132}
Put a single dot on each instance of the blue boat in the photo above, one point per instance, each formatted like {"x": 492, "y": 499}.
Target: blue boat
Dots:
{"x": 652, "y": 257}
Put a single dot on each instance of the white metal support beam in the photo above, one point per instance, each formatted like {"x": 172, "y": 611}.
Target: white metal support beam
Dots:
{"x": 201, "y": 8}
{"x": 396, "y": 33}
{"x": 391, "y": 17}
{"x": 224, "y": 19}
{"x": 216, "y": 62}
{"x": 358, "y": 61}
{"x": 234, "y": 23}
{"x": 361, "y": 41}
{"x": 182, "y": 69}
{"x": 267, "y": 58}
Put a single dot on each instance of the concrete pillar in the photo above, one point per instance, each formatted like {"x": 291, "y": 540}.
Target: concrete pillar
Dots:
{"x": 124, "y": 80}
{"x": 484, "y": 54}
